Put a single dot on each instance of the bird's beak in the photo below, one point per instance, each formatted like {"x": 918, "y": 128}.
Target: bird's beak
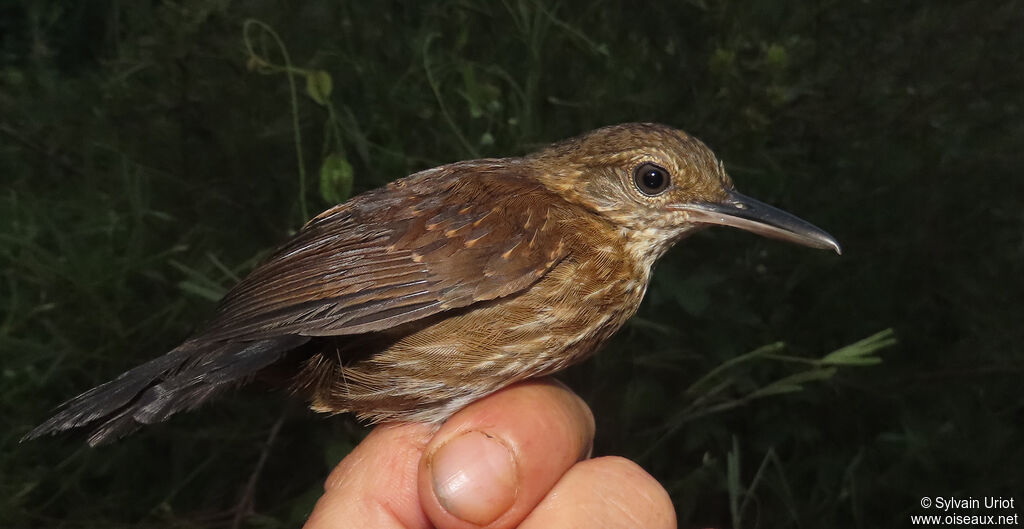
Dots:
{"x": 755, "y": 216}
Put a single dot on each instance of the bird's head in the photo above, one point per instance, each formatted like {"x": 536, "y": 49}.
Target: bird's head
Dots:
{"x": 659, "y": 184}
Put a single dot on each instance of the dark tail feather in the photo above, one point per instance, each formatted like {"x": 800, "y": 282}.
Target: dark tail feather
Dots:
{"x": 180, "y": 380}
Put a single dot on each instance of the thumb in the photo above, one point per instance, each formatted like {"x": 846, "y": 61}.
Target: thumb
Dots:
{"x": 375, "y": 485}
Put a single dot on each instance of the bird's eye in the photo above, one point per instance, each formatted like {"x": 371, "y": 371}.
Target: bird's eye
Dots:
{"x": 650, "y": 179}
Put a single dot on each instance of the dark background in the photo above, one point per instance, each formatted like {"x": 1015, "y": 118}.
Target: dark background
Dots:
{"x": 148, "y": 159}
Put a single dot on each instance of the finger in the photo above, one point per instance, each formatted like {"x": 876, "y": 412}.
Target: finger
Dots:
{"x": 605, "y": 493}
{"x": 375, "y": 485}
{"x": 492, "y": 462}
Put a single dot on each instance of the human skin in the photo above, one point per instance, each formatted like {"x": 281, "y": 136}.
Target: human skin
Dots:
{"x": 518, "y": 458}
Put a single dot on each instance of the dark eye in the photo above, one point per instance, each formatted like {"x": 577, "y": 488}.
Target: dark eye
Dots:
{"x": 650, "y": 179}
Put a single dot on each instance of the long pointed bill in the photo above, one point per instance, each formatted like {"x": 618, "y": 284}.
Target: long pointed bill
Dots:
{"x": 746, "y": 213}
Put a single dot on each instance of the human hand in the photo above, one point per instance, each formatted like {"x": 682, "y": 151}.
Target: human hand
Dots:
{"x": 518, "y": 458}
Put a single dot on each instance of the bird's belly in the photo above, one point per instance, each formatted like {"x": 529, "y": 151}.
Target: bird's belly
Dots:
{"x": 555, "y": 323}
{"x": 436, "y": 369}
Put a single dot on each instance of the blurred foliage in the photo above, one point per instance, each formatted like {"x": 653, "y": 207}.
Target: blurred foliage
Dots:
{"x": 152, "y": 152}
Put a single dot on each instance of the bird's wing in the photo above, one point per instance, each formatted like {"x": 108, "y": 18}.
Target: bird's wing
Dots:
{"x": 438, "y": 240}
{"x": 435, "y": 241}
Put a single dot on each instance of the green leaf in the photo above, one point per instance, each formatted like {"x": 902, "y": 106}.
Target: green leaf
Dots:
{"x": 472, "y": 93}
{"x": 203, "y": 291}
{"x": 336, "y": 177}
{"x": 732, "y": 474}
{"x": 859, "y": 353}
{"x": 794, "y": 382}
{"x": 319, "y": 86}
{"x": 775, "y": 56}
{"x": 198, "y": 283}
{"x": 722, "y": 62}
{"x": 709, "y": 378}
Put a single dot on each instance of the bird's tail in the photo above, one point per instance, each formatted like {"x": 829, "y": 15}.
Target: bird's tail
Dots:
{"x": 180, "y": 380}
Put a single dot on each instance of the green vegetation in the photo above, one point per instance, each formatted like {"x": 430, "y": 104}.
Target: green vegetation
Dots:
{"x": 152, "y": 152}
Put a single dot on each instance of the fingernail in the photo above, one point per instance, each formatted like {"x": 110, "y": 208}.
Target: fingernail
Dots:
{"x": 474, "y": 477}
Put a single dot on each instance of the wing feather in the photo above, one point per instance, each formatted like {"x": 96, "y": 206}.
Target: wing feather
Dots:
{"x": 435, "y": 241}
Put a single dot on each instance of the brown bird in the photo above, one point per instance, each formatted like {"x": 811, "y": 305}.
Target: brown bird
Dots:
{"x": 411, "y": 301}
